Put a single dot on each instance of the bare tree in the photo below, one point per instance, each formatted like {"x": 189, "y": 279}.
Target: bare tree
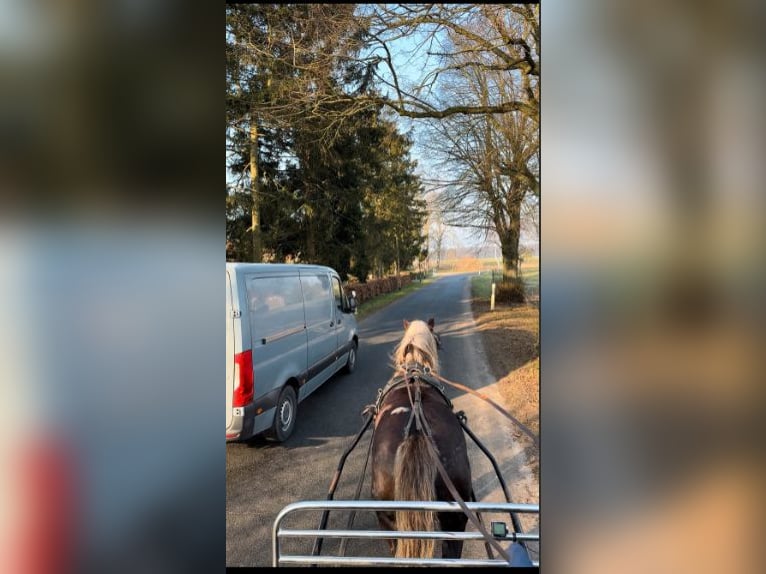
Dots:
{"x": 482, "y": 195}
{"x": 530, "y": 215}
{"x": 457, "y": 37}
{"x": 436, "y": 227}
{"x": 490, "y": 161}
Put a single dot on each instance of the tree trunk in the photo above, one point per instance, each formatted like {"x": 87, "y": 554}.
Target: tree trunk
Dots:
{"x": 254, "y": 189}
{"x": 311, "y": 248}
{"x": 509, "y": 241}
{"x": 398, "y": 279}
{"x": 313, "y": 215}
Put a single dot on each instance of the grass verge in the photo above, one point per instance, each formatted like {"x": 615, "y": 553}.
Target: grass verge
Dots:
{"x": 511, "y": 335}
{"x": 530, "y": 274}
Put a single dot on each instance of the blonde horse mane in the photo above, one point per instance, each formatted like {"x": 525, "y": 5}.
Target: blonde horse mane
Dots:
{"x": 419, "y": 345}
{"x": 414, "y": 468}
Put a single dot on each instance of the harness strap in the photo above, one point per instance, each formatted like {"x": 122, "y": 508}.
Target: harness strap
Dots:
{"x": 413, "y": 371}
{"x": 514, "y": 519}
{"x": 412, "y": 415}
{"x": 456, "y": 496}
{"x": 417, "y": 415}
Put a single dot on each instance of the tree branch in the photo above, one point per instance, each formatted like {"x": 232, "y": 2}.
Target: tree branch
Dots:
{"x": 501, "y": 108}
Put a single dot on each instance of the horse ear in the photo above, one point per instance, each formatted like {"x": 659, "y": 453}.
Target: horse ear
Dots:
{"x": 431, "y": 323}
{"x": 406, "y": 324}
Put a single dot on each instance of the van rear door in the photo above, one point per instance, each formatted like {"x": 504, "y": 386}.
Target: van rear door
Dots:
{"x": 230, "y": 350}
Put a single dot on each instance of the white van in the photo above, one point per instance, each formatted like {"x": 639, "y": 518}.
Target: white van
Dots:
{"x": 289, "y": 328}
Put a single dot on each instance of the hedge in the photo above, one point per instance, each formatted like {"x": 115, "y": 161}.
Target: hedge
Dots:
{"x": 375, "y": 287}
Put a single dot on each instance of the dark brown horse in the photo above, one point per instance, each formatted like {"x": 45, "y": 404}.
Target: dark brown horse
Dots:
{"x": 403, "y": 465}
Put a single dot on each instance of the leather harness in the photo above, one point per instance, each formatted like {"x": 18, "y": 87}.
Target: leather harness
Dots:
{"x": 413, "y": 373}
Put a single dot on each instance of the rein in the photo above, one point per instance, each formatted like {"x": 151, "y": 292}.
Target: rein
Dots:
{"x": 414, "y": 373}
{"x": 423, "y": 427}
{"x": 502, "y": 411}
{"x": 423, "y": 373}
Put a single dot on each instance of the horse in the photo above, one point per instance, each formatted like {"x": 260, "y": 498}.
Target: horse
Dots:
{"x": 402, "y": 464}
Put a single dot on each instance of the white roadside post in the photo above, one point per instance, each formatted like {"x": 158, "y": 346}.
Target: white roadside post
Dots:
{"x": 492, "y": 299}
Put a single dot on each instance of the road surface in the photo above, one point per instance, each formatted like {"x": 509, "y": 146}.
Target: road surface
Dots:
{"x": 263, "y": 477}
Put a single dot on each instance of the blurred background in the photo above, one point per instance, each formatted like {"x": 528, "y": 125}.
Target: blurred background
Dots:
{"x": 652, "y": 285}
{"x": 111, "y": 245}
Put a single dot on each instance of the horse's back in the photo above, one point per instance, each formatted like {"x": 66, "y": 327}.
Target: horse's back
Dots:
{"x": 446, "y": 432}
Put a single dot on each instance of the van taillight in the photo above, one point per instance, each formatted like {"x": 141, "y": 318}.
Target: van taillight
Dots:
{"x": 243, "y": 379}
{"x": 48, "y": 527}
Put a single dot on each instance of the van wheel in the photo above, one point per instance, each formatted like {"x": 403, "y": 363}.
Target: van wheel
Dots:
{"x": 351, "y": 362}
{"x": 284, "y": 419}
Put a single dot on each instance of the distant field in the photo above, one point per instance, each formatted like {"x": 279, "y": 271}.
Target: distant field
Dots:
{"x": 530, "y": 272}
{"x": 467, "y": 265}
{"x": 481, "y": 284}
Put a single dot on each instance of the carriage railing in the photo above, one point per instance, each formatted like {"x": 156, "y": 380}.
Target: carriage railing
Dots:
{"x": 279, "y": 532}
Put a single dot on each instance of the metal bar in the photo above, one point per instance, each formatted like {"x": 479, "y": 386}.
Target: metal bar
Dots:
{"x": 350, "y": 524}
{"x": 439, "y": 535}
{"x": 487, "y": 545}
{"x": 473, "y": 516}
{"x": 282, "y": 334}
{"x": 514, "y": 519}
{"x": 437, "y": 506}
{"x": 377, "y": 561}
{"x": 433, "y": 505}
{"x": 334, "y": 484}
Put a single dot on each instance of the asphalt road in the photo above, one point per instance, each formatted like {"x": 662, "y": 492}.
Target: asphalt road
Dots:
{"x": 263, "y": 477}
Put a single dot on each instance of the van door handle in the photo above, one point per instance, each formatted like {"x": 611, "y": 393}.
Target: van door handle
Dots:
{"x": 339, "y": 321}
